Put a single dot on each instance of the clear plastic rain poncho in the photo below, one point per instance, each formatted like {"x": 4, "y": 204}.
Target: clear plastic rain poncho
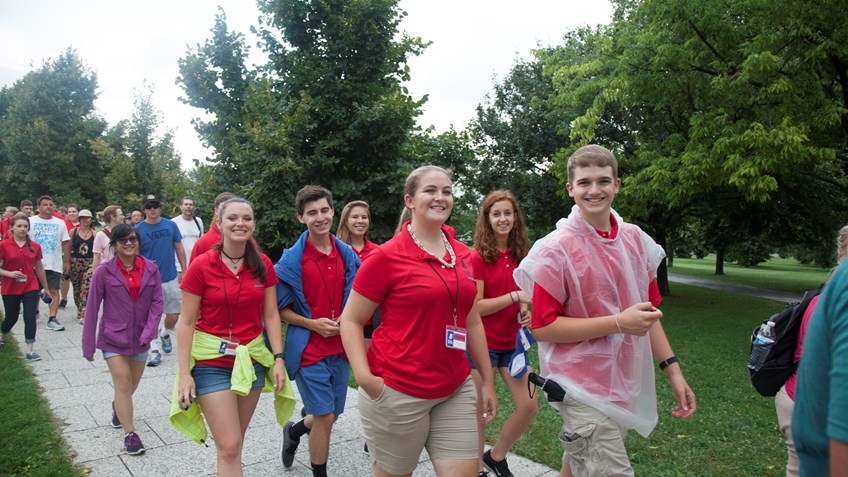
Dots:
{"x": 594, "y": 276}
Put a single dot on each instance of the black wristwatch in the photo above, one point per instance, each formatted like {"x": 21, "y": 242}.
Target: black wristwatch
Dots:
{"x": 668, "y": 362}
{"x": 279, "y": 356}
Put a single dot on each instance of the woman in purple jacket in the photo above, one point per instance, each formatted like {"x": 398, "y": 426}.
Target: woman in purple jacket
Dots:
{"x": 130, "y": 290}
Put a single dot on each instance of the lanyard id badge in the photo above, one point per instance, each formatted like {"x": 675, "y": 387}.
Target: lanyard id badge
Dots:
{"x": 228, "y": 348}
{"x": 455, "y": 338}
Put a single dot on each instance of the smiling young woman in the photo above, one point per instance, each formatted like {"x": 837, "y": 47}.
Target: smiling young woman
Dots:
{"x": 422, "y": 281}
{"x": 129, "y": 288}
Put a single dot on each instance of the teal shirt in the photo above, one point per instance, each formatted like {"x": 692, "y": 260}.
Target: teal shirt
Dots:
{"x": 821, "y": 399}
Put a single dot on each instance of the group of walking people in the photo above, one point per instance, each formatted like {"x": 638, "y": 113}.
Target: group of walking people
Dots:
{"x": 422, "y": 321}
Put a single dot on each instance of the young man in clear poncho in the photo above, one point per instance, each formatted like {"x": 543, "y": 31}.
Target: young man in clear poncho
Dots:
{"x": 592, "y": 281}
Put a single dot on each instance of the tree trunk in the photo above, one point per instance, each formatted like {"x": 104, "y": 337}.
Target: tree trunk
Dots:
{"x": 719, "y": 268}
{"x": 670, "y": 253}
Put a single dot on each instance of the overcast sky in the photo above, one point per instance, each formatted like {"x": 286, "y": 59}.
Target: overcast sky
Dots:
{"x": 126, "y": 43}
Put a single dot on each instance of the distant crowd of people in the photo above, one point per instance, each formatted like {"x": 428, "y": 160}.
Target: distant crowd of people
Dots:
{"x": 424, "y": 323}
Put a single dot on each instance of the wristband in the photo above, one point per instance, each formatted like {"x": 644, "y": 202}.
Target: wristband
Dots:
{"x": 668, "y": 362}
{"x": 279, "y": 356}
{"x": 511, "y": 298}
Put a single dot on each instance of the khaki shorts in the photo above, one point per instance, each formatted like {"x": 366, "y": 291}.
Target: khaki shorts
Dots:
{"x": 397, "y": 427}
{"x": 593, "y": 442}
{"x": 172, "y": 296}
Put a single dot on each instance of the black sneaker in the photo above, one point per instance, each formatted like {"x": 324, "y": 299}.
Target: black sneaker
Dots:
{"x": 63, "y": 304}
{"x": 288, "y": 446}
{"x": 483, "y": 473}
{"x": 116, "y": 423}
{"x": 498, "y": 468}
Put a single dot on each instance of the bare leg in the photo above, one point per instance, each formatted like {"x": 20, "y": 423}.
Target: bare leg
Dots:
{"x": 526, "y": 409}
{"x": 319, "y": 438}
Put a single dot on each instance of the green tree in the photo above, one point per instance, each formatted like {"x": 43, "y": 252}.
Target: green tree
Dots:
{"x": 327, "y": 108}
{"x": 47, "y": 124}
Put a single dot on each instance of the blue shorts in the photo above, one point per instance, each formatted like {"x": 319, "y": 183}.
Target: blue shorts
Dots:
{"x": 323, "y": 386}
{"x": 212, "y": 379}
{"x": 499, "y": 359}
{"x": 133, "y": 357}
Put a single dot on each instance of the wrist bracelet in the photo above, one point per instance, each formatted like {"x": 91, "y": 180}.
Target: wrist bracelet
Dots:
{"x": 668, "y": 362}
{"x": 616, "y": 323}
{"x": 511, "y": 298}
{"x": 279, "y": 356}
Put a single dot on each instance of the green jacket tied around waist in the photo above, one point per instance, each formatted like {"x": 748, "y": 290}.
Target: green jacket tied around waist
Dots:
{"x": 205, "y": 346}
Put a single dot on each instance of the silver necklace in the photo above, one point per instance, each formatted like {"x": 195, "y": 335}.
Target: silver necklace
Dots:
{"x": 448, "y": 247}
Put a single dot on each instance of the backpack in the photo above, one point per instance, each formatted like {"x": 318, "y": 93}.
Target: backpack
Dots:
{"x": 780, "y": 363}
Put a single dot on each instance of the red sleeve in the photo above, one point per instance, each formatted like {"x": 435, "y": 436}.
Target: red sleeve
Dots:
{"x": 546, "y": 309}
{"x": 373, "y": 278}
{"x": 478, "y": 266}
{"x": 654, "y": 293}
{"x": 193, "y": 280}
{"x": 37, "y": 248}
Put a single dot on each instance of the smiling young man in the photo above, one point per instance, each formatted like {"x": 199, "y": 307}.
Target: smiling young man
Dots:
{"x": 315, "y": 276}
{"x": 594, "y": 293}
{"x": 160, "y": 240}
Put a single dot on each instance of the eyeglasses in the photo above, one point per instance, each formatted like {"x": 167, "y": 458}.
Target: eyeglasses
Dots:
{"x": 152, "y": 206}
{"x": 126, "y": 240}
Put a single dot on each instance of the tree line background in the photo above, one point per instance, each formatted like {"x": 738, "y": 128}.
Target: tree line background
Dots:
{"x": 729, "y": 120}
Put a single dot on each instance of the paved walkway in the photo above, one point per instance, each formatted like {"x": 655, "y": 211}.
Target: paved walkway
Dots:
{"x": 80, "y": 395}
{"x": 775, "y": 295}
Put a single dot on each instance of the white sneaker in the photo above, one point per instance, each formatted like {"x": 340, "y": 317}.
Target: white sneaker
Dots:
{"x": 53, "y": 324}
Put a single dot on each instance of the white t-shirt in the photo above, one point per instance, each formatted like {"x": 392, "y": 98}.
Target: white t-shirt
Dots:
{"x": 191, "y": 230}
{"x": 50, "y": 234}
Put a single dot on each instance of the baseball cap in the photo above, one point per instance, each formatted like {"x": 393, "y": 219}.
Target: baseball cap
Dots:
{"x": 150, "y": 198}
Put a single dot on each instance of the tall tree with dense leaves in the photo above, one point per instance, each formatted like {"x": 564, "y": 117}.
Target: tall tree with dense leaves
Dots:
{"x": 327, "y": 108}
{"x": 47, "y": 123}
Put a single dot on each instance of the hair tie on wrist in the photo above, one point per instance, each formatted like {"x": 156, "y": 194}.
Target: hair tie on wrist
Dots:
{"x": 616, "y": 323}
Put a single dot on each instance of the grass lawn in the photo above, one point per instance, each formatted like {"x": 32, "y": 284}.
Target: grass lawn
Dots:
{"x": 777, "y": 273}
{"x": 733, "y": 433}
{"x": 30, "y": 442}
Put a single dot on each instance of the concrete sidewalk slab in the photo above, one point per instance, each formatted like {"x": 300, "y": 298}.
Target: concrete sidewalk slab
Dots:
{"x": 80, "y": 395}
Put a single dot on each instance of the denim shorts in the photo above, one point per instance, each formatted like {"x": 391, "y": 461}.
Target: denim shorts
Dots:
{"x": 499, "y": 359}
{"x": 212, "y": 379}
{"x": 133, "y": 357}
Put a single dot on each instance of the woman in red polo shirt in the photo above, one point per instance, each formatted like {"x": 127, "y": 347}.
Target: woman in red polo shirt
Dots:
{"x": 229, "y": 292}
{"x": 354, "y": 225}
{"x": 129, "y": 288}
{"x": 21, "y": 259}
{"x": 500, "y": 243}
{"x": 415, "y": 385}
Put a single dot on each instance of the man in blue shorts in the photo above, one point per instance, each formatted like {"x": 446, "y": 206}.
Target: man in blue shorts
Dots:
{"x": 160, "y": 240}
{"x": 315, "y": 279}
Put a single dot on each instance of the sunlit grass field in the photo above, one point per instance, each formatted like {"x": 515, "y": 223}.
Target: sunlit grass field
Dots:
{"x": 784, "y": 274}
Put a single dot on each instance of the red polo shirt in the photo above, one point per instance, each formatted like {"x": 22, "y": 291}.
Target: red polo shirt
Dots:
{"x": 323, "y": 288}
{"x": 205, "y": 243}
{"x": 502, "y": 325}
{"x": 417, "y": 295}
{"x": 366, "y": 250}
{"x": 132, "y": 277}
{"x": 19, "y": 258}
{"x": 228, "y": 300}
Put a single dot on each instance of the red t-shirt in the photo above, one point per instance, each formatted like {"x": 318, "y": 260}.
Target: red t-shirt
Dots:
{"x": 133, "y": 277}
{"x": 502, "y": 325}
{"x": 228, "y": 300}
{"x": 366, "y": 249}
{"x": 546, "y": 308}
{"x": 205, "y": 243}
{"x": 68, "y": 223}
{"x": 417, "y": 296}
{"x": 5, "y": 230}
{"x": 323, "y": 287}
{"x": 19, "y": 258}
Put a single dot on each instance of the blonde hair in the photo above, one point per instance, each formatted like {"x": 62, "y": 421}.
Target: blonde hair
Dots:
{"x": 109, "y": 212}
{"x": 842, "y": 244}
{"x": 410, "y": 187}
{"x": 343, "y": 232}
